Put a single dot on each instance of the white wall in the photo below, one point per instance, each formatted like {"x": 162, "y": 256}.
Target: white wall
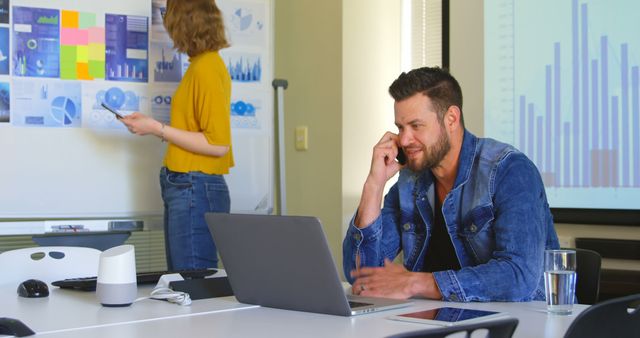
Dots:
{"x": 308, "y": 54}
{"x": 370, "y": 62}
{"x": 466, "y": 59}
{"x": 339, "y": 57}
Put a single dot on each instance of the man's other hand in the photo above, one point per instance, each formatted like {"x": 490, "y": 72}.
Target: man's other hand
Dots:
{"x": 394, "y": 281}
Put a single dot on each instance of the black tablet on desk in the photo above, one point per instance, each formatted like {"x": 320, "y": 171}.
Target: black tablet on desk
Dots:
{"x": 448, "y": 316}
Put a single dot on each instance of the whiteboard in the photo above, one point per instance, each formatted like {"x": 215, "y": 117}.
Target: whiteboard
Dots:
{"x": 87, "y": 166}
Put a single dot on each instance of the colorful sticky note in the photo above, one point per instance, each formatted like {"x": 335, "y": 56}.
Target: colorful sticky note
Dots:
{"x": 69, "y": 19}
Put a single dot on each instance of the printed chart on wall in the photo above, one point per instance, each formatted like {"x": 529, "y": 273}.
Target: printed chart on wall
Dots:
{"x": 567, "y": 94}
{"x": 249, "y": 62}
{"x": 64, "y": 155}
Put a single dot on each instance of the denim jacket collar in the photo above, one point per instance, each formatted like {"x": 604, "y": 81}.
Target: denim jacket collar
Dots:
{"x": 467, "y": 154}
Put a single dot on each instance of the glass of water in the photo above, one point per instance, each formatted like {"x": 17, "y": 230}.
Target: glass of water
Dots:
{"x": 560, "y": 280}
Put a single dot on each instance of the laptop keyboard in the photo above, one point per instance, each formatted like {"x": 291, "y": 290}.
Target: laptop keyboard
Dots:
{"x": 354, "y": 305}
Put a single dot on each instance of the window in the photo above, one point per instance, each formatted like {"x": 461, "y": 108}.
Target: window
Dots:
{"x": 424, "y": 33}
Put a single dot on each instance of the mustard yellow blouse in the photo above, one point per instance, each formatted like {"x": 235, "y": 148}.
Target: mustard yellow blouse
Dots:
{"x": 202, "y": 103}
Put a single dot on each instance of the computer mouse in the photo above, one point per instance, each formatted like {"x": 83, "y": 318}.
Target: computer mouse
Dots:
{"x": 32, "y": 288}
{"x": 14, "y": 327}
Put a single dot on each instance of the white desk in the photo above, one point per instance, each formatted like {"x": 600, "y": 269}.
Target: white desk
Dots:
{"x": 224, "y": 317}
{"x": 65, "y": 310}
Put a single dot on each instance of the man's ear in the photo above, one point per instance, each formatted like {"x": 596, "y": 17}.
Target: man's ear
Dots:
{"x": 452, "y": 117}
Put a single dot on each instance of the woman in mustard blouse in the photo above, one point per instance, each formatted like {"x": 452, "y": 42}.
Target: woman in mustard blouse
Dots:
{"x": 199, "y": 136}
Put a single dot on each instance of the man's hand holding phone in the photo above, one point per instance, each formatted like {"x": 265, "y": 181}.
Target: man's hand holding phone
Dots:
{"x": 388, "y": 156}
{"x": 383, "y": 167}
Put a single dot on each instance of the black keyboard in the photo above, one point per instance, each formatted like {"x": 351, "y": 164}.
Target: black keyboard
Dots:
{"x": 89, "y": 283}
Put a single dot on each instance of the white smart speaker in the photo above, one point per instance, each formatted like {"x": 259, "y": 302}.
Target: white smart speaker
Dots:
{"x": 116, "y": 284}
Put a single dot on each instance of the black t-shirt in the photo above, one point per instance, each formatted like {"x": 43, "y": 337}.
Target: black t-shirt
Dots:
{"x": 440, "y": 254}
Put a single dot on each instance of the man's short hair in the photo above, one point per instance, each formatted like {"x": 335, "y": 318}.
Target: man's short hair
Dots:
{"x": 434, "y": 82}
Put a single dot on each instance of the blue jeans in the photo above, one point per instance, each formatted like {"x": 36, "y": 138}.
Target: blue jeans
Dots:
{"x": 187, "y": 197}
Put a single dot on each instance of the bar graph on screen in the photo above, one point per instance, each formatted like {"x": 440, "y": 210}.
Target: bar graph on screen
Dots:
{"x": 562, "y": 77}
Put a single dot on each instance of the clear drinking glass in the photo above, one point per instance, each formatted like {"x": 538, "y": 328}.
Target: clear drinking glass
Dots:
{"x": 560, "y": 280}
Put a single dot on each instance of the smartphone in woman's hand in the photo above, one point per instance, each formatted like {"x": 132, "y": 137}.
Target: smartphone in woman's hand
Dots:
{"x": 115, "y": 112}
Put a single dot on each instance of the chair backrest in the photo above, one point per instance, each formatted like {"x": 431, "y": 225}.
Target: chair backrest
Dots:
{"x": 502, "y": 328}
{"x": 588, "y": 270}
{"x": 618, "y": 317}
{"x": 48, "y": 263}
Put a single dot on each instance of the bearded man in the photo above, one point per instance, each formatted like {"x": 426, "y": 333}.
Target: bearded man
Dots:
{"x": 469, "y": 215}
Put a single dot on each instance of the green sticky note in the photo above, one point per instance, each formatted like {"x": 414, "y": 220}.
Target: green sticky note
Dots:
{"x": 68, "y": 62}
{"x": 96, "y": 69}
{"x": 87, "y": 20}
{"x": 82, "y": 53}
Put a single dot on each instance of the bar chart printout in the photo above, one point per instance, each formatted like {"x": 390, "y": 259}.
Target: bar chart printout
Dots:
{"x": 127, "y": 48}
{"x": 562, "y": 85}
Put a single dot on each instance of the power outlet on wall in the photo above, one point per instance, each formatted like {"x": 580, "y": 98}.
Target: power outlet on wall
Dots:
{"x": 302, "y": 138}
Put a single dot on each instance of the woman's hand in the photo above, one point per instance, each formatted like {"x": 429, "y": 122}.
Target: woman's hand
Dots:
{"x": 141, "y": 124}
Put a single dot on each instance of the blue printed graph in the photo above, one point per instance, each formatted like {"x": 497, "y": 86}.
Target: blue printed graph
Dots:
{"x": 241, "y": 19}
{"x": 161, "y": 105}
{"x": 162, "y": 100}
{"x": 118, "y": 98}
{"x": 242, "y": 108}
{"x": 245, "y": 112}
{"x": 5, "y": 103}
{"x": 36, "y": 42}
{"x": 46, "y": 103}
{"x": 63, "y": 110}
{"x": 127, "y": 48}
{"x": 567, "y": 94}
{"x": 4, "y": 51}
{"x": 244, "y": 67}
{"x": 4, "y": 11}
{"x": 168, "y": 63}
{"x": 114, "y": 97}
{"x": 245, "y": 22}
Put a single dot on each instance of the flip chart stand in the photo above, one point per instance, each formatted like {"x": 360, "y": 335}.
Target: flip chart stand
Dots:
{"x": 280, "y": 85}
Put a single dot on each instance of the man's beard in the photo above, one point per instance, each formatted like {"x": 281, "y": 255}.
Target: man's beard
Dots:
{"x": 434, "y": 154}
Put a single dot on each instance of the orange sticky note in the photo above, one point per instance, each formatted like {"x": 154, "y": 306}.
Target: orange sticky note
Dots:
{"x": 83, "y": 71}
{"x": 70, "y": 19}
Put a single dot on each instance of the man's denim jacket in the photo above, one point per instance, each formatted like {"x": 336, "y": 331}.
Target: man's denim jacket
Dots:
{"x": 496, "y": 214}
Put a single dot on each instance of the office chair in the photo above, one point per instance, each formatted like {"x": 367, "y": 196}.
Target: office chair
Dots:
{"x": 588, "y": 264}
{"x": 503, "y": 328}
{"x": 48, "y": 264}
{"x": 618, "y": 317}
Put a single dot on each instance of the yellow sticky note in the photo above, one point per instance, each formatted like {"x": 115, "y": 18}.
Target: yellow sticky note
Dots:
{"x": 82, "y": 54}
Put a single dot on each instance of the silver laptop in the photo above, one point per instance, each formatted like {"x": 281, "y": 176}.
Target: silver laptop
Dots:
{"x": 284, "y": 262}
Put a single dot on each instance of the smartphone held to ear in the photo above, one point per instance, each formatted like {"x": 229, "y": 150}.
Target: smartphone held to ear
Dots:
{"x": 115, "y": 112}
{"x": 401, "y": 157}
